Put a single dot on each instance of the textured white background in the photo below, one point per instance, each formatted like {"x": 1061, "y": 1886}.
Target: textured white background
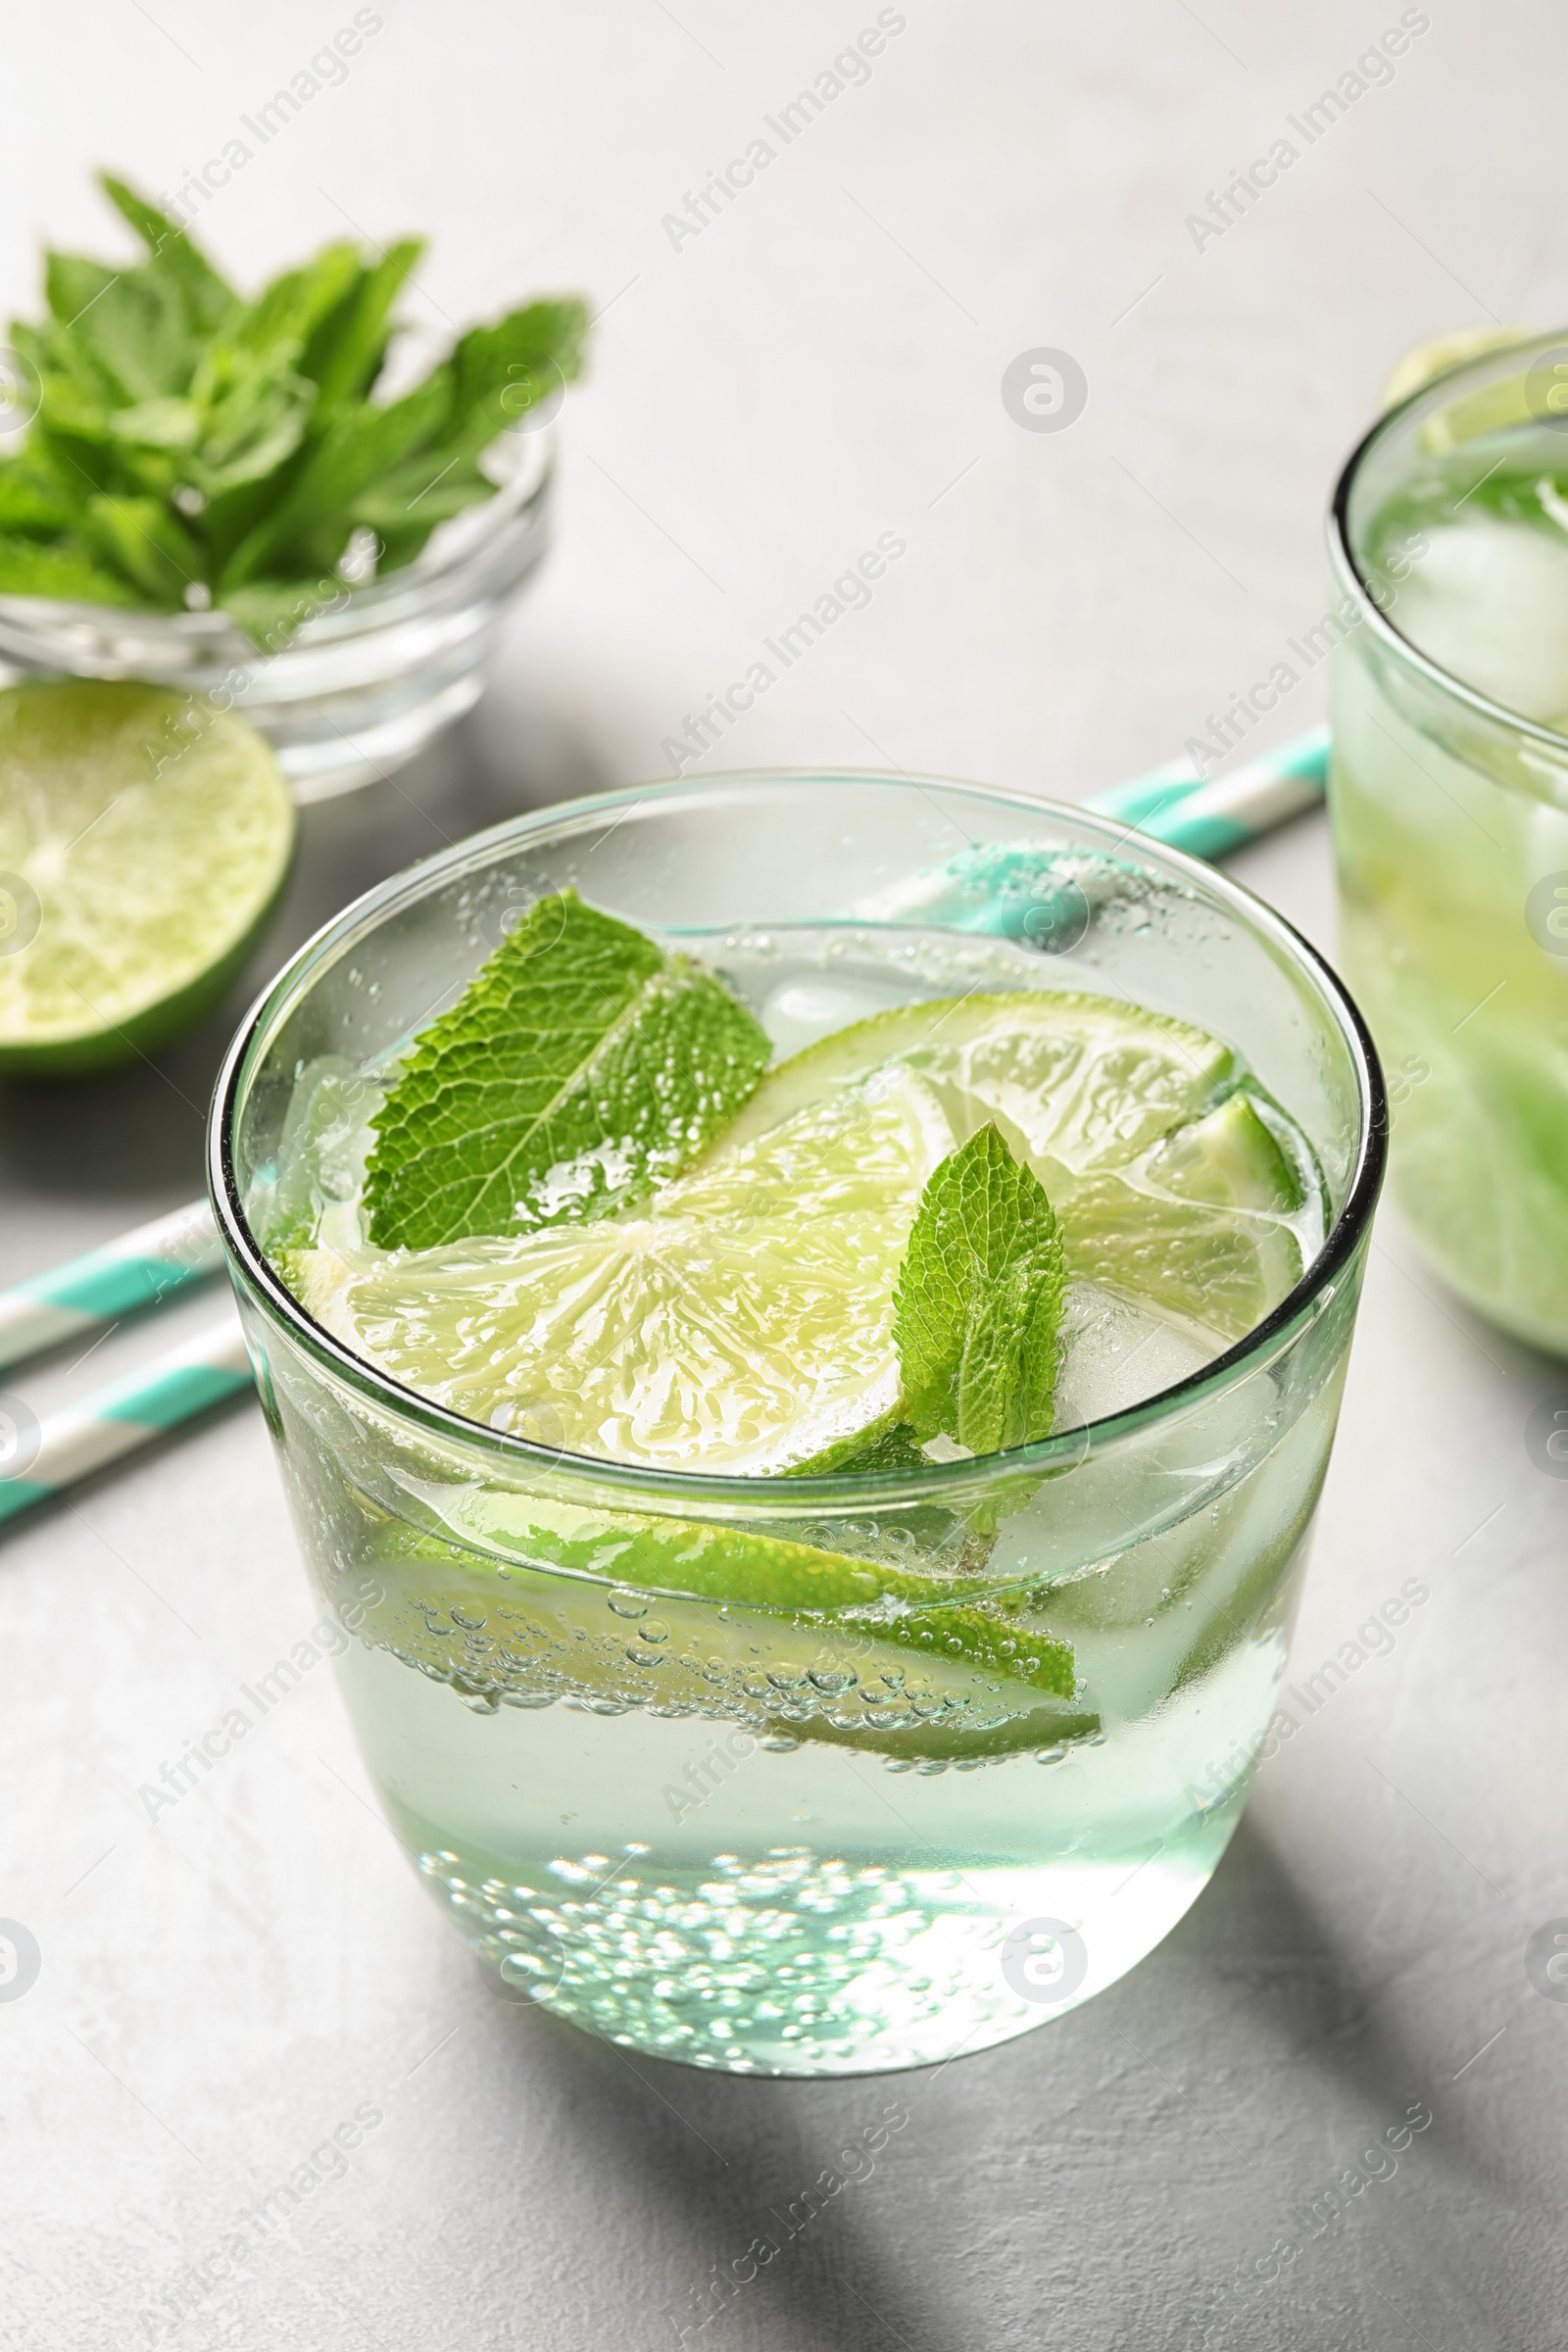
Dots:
{"x": 821, "y": 364}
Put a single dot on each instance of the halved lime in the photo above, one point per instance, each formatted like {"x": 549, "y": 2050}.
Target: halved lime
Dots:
{"x": 144, "y": 839}
{"x": 745, "y": 1322}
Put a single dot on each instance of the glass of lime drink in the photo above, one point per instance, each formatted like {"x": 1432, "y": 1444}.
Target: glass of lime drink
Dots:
{"x": 817, "y": 1546}
{"x": 1449, "y": 796}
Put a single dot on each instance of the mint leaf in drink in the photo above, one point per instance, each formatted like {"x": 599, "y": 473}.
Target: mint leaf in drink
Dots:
{"x": 979, "y": 1301}
{"x": 582, "y": 1066}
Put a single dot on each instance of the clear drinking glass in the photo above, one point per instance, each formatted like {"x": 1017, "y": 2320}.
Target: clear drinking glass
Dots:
{"x": 1448, "y": 791}
{"x": 731, "y": 1833}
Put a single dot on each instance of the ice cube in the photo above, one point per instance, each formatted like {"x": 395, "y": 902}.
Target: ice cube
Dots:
{"x": 1115, "y": 1354}
{"x": 1488, "y": 600}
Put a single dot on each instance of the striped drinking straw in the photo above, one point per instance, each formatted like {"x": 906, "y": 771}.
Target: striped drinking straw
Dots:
{"x": 1210, "y": 819}
{"x": 39, "y": 1458}
{"x": 141, "y": 1269}
{"x": 1026, "y": 891}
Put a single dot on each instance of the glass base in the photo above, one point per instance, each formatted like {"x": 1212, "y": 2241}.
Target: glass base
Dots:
{"x": 788, "y": 1964}
{"x": 737, "y": 1894}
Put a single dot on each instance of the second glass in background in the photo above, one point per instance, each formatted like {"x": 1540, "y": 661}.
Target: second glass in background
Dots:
{"x": 1449, "y": 800}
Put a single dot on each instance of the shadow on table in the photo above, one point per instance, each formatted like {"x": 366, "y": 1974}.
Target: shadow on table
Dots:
{"x": 729, "y": 2180}
{"x": 137, "y": 1132}
{"x": 1304, "y": 2061}
{"x": 1223, "y": 2084}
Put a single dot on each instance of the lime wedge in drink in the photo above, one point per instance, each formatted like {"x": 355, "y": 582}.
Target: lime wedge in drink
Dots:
{"x": 744, "y": 1322}
{"x": 1200, "y": 1227}
{"x": 144, "y": 841}
{"x": 880, "y": 1657}
{"x": 1169, "y": 1184}
{"x": 1075, "y": 1081}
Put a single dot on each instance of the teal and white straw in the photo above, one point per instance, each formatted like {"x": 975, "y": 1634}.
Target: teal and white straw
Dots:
{"x": 1031, "y": 892}
{"x": 1209, "y": 818}
{"x": 141, "y": 1269}
{"x": 1003, "y": 888}
{"x": 121, "y": 1418}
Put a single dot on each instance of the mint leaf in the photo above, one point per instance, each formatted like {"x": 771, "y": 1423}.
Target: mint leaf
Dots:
{"x": 580, "y": 1067}
{"x": 499, "y": 372}
{"x": 978, "y": 1307}
{"x": 58, "y": 570}
{"x": 143, "y": 540}
{"x": 345, "y": 353}
{"x": 28, "y": 503}
{"x": 205, "y": 296}
{"x": 405, "y": 504}
{"x": 129, "y": 325}
{"x": 290, "y": 307}
{"x": 361, "y": 444}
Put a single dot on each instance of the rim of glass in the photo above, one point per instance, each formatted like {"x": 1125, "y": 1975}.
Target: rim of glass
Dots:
{"x": 1064, "y": 1447}
{"x": 1350, "y": 574}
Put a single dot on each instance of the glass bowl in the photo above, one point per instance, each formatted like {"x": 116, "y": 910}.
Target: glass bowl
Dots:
{"x": 360, "y": 688}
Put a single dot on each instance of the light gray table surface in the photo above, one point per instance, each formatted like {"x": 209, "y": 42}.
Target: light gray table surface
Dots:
{"x": 222, "y": 1986}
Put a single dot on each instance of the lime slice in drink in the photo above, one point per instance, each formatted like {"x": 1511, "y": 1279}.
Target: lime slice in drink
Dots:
{"x": 1169, "y": 1184}
{"x": 1073, "y": 1082}
{"x": 143, "y": 841}
{"x": 1200, "y": 1227}
{"x": 704, "y": 1619}
{"x": 744, "y": 1322}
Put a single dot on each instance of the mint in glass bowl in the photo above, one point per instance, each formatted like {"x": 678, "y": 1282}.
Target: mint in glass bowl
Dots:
{"x": 220, "y": 494}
